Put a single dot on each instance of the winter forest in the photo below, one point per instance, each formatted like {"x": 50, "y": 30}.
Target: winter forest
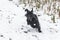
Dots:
{"x": 29, "y": 19}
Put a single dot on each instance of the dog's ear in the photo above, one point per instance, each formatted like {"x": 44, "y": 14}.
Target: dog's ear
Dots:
{"x": 32, "y": 10}
{"x": 26, "y": 9}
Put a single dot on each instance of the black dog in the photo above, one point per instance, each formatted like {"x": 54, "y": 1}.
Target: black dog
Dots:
{"x": 32, "y": 20}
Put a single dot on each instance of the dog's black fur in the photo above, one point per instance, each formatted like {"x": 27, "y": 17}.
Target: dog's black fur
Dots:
{"x": 32, "y": 20}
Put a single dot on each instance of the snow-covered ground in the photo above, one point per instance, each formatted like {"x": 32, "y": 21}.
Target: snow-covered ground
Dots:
{"x": 13, "y": 24}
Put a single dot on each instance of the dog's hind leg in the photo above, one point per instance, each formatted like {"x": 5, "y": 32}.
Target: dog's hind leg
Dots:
{"x": 39, "y": 29}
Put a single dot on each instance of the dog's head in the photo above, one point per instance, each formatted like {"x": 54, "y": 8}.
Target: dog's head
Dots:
{"x": 28, "y": 12}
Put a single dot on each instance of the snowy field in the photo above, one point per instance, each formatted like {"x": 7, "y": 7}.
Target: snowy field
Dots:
{"x": 13, "y": 24}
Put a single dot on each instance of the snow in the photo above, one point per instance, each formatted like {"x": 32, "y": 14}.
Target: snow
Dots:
{"x": 13, "y": 24}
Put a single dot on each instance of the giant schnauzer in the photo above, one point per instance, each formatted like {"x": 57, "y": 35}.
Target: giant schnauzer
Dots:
{"x": 32, "y": 20}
